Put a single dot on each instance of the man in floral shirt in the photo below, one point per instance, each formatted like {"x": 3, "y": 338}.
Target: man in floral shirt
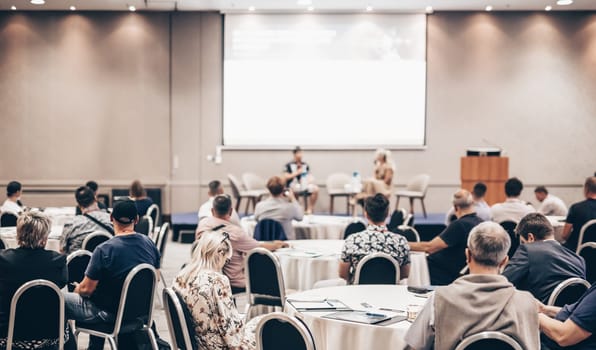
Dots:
{"x": 375, "y": 239}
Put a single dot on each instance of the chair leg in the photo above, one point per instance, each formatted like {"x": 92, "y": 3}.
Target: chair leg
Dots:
{"x": 411, "y": 205}
{"x": 238, "y": 203}
{"x": 163, "y": 280}
{"x": 423, "y": 208}
{"x": 152, "y": 338}
{"x": 331, "y": 200}
{"x": 112, "y": 343}
{"x": 397, "y": 203}
{"x": 248, "y": 200}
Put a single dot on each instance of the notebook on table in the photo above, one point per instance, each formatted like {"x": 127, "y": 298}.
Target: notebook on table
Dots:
{"x": 360, "y": 317}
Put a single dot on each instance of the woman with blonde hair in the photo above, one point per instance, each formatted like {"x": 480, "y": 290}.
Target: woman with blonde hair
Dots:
{"x": 208, "y": 295}
{"x": 382, "y": 179}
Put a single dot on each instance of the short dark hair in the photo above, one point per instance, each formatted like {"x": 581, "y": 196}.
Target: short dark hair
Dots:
{"x": 536, "y": 224}
{"x": 137, "y": 189}
{"x": 513, "y": 187}
{"x": 276, "y": 185}
{"x": 479, "y": 190}
{"x": 377, "y": 207}
{"x": 85, "y": 196}
{"x": 296, "y": 150}
{"x": 214, "y": 187}
{"x": 222, "y": 204}
{"x": 540, "y": 189}
{"x": 12, "y": 188}
{"x": 92, "y": 185}
{"x": 590, "y": 184}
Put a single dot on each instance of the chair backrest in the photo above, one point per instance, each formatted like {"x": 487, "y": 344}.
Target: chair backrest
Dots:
{"x": 153, "y": 213}
{"x": 94, "y": 239}
{"x": 588, "y": 252}
{"x": 489, "y": 340}
{"x": 136, "y": 299}
{"x": 587, "y": 233}
{"x": 253, "y": 182}
{"x": 76, "y": 263}
{"x": 162, "y": 239}
{"x": 510, "y": 226}
{"x": 36, "y": 312}
{"x": 280, "y": 331}
{"x": 8, "y": 220}
{"x": 568, "y": 292}
{"x": 338, "y": 181}
{"x": 236, "y": 185}
{"x": 397, "y": 218}
{"x": 377, "y": 268}
{"x": 269, "y": 230}
{"x": 181, "y": 330}
{"x": 419, "y": 183}
{"x": 145, "y": 225}
{"x": 408, "y": 232}
{"x": 264, "y": 279}
{"x": 354, "y": 227}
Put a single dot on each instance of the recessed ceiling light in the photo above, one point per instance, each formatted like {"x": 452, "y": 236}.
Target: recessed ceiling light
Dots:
{"x": 13, "y": 7}
{"x": 304, "y": 2}
{"x": 429, "y": 9}
{"x": 369, "y": 8}
{"x": 132, "y": 8}
{"x": 251, "y": 9}
{"x": 488, "y": 8}
{"x": 548, "y": 8}
{"x": 38, "y": 2}
{"x": 310, "y": 9}
{"x": 564, "y": 2}
{"x": 72, "y": 8}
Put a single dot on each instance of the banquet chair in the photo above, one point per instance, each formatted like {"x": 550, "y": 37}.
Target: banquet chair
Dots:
{"x": 408, "y": 232}
{"x": 134, "y": 311}
{"x": 256, "y": 185}
{"x": 587, "y": 233}
{"x": 510, "y": 226}
{"x": 264, "y": 280}
{"x": 489, "y": 340}
{"x": 36, "y": 312}
{"x": 239, "y": 192}
{"x": 153, "y": 213}
{"x": 180, "y": 321}
{"x": 144, "y": 226}
{"x": 76, "y": 264}
{"x": 377, "y": 268}
{"x": 336, "y": 187}
{"x": 354, "y": 227}
{"x": 568, "y": 292}
{"x": 278, "y": 330}
{"x": 397, "y": 218}
{"x": 415, "y": 189}
{"x": 269, "y": 230}
{"x": 588, "y": 252}
{"x": 94, "y": 239}
{"x": 8, "y": 220}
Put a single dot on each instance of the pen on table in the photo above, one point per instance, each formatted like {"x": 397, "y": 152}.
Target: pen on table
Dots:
{"x": 393, "y": 310}
{"x": 372, "y": 314}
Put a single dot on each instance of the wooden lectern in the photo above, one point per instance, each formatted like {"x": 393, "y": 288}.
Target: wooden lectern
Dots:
{"x": 493, "y": 171}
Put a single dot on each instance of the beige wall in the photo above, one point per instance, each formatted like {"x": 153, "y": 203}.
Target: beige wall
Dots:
{"x": 79, "y": 90}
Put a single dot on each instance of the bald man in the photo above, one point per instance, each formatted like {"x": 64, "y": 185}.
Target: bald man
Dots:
{"x": 447, "y": 250}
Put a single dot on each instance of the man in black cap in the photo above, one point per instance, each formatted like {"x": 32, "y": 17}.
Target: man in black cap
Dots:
{"x": 96, "y": 298}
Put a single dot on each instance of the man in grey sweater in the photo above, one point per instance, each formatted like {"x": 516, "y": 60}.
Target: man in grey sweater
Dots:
{"x": 481, "y": 301}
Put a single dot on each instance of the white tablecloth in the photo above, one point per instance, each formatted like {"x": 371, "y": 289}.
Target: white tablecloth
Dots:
{"x": 558, "y": 223}
{"x": 9, "y": 236}
{"x": 309, "y": 261}
{"x": 311, "y": 227}
{"x": 334, "y": 334}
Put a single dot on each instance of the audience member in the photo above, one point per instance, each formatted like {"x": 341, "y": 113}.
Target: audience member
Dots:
{"x": 241, "y": 242}
{"x": 207, "y": 293}
{"x": 480, "y": 206}
{"x": 447, "y": 251}
{"x": 541, "y": 263}
{"x": 215, "y": 189}
{"x": 480, "y": 301}
{"x": 96, "y": 298}
{"x": 513, "y": 209}
{"x": 572, "y": 326}
{"x": 299, "y": 179}
{"x": 549, "y": 203}
{"x": 375, "y": 239}
{"x": 92, "y": 220}
{"x": 28, "y": 262}
{"x": 139, "y": 196}
{"x": 94, "y": 187}
{"x": 12, "y": 204}
{"x": 281, "y": 207}
{"x": 579, "y": 214}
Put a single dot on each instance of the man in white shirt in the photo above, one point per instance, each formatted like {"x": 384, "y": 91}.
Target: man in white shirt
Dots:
{"x": 12, "y": 204}
{"x": 513, "y": 209}
{"x": 549, "y": 204}
{"x": 215, "y": 189}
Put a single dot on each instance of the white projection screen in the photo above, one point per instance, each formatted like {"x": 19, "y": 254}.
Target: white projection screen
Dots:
{"x": 324, "y": 80}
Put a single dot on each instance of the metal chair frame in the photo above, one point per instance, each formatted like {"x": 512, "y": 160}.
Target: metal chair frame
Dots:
{"x": 582, "y": 232}
{"x": 561, "y": 287}
{"x": 92, "y": 235}
{"x": 280, "y": 281}
{"x": 488, "y": 335}
{"x": 369, "y": 257}
{"x": 179, "y": 313}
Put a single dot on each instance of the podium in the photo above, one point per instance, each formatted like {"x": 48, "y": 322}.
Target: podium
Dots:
{"x": 492, "y": 171}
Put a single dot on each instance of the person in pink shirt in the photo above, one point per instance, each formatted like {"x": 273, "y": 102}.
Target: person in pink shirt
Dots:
{"x": 242, "y": 243}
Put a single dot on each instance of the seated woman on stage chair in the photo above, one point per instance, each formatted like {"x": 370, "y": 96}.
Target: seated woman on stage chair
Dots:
{"x": 381, "y": 181}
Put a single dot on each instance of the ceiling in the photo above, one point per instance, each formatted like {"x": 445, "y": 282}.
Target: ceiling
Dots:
{"x": 261, "y": 6}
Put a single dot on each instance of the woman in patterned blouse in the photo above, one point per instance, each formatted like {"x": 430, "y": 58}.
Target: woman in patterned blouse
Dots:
{"x": 208, "y": 294}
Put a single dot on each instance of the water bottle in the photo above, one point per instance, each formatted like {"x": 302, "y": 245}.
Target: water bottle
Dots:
{"x": 356, "y": 182}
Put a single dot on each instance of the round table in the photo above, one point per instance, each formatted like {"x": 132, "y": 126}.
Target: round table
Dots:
{"x": 9, "y": 236}
{"x": 311, "y": 226}
{"x": 309, "y": 261}
{"x": 334, "y": 334}
{"x": 558, "y": 223}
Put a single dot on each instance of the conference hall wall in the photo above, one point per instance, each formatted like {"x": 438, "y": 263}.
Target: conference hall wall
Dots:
{"x": 116, "y": 96}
